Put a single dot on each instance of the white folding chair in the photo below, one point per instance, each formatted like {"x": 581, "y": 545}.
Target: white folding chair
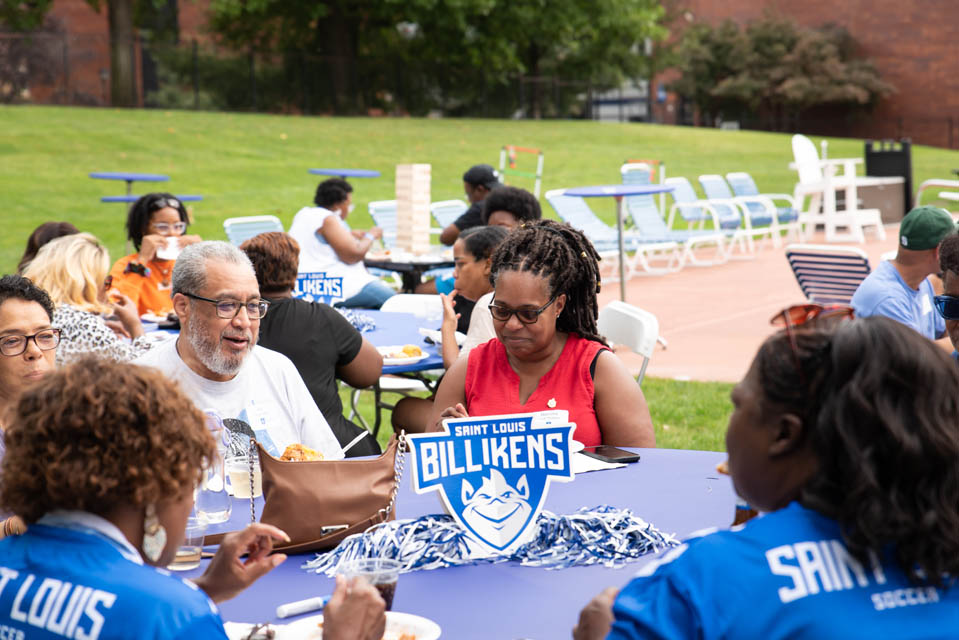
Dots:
{"x": 245, "y": 227}
{"x": 622, "y": 323}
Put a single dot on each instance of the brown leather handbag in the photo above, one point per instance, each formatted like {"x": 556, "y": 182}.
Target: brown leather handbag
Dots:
{"x": 320, "y": 503}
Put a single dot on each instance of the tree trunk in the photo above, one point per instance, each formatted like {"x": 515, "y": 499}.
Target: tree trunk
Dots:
{"x": 536, "y": 96}
{"x": 338, "y": 41}
{"x": 123, "y": 90}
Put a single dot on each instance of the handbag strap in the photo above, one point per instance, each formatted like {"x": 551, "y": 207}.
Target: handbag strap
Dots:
{"x": 398, "y": 464}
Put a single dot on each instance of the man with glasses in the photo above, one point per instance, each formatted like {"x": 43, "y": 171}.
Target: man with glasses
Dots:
{"x": 899, "y": 288}
{"x": 28, "y": 344}
{"x": 156, "y": 225}
{"x": 948, "y": 303}
{"x": 216, "y": 359}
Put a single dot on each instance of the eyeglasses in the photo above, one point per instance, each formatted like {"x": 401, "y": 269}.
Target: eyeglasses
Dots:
{"x": 166, "y": 227}
{"x": 526, "y": 316}
{"x": 228, "y": 309}
{"x": 947, "y": 306}
{"x": 163, "y": 203}
{"x": 14, "y": 345}
{"x": 811, "y": 315}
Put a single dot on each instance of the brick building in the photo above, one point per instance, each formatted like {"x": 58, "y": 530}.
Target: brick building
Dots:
{"x": 914, "y": 45}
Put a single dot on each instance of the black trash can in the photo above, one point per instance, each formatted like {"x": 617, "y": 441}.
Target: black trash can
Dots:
{"x": 891, "y": 158}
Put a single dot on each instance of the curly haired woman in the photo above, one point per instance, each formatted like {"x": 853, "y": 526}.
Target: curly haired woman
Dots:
{"x": 103, "y": 475}
{"x": 848, "y": 438}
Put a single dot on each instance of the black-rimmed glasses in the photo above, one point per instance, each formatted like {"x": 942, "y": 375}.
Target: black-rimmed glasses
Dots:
{"x": 526, "y": 316}
{"x": 228, "y": 309}
{"x": 14, "y": 345}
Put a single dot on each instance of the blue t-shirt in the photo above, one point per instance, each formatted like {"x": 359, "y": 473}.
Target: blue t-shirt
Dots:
{"x": 885, "y": 293}
{"x": 784, "y": 575}
{"x": 65, "y": 583}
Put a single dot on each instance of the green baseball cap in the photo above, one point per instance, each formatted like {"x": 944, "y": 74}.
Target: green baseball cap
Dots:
{"x": 924, "y": 228}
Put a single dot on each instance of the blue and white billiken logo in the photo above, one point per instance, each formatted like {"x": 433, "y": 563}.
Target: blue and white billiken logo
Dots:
{"x": 492, "y": 473}
{"x": 317, "y": 287}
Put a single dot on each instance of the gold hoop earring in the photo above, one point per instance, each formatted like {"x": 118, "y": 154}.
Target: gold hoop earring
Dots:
{"x": 154, "y": 535}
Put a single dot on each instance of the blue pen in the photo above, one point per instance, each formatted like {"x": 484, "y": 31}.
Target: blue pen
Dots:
{"x": 303, "y": 606}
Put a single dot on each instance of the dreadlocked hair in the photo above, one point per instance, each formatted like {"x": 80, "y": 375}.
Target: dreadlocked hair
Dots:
{"x": 569, "y": 263}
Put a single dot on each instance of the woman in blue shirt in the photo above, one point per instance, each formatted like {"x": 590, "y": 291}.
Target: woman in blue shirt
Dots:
{"x": 101, "y": 463}
{"x": 848, "y": 436}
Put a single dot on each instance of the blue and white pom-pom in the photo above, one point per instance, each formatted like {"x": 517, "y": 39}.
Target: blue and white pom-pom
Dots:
{"x": 360, "y": 321}
{"x": 601, "y": 535}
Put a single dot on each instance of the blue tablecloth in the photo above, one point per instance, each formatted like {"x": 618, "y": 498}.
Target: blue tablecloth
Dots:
{"x": 616, "y": 190}
{"x": 395, "y": 328}
{"x": 677, "y": 491}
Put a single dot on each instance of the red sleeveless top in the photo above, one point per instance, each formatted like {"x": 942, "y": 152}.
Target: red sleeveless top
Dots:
{"x": 492, "y": 387}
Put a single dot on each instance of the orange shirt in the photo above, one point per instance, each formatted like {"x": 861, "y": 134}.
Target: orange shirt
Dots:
{"x": 149, "y": 292}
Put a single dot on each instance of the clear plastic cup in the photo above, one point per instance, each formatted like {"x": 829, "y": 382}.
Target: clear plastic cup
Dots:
{"x": 189, "y": 552}
{"x": 382, "y": 573}
{"x": 238, "y": 474}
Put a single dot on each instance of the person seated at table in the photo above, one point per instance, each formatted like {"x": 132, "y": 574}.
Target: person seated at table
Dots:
{"x": 507, "y": 207}
{"x": 156, "y": 224}
{"x": 847, "y": 437}
{"x": 28, "y": 345}
{"x": 472, "y": 255}
{"x": 504, "y": 206}
{"x": 478, "y": 181}
{"x": 216, "y": 358}
{"x": 74, "y": 271}
{"x": 547, "y": 353}
{"x": 104, "y": 475}
{"x": 41, "y": 235}
{"x": 322, "y": 344}
{"x": 900, "y": 288}
{"x": 947, "y": 304}
{"x": 329, "y": 246}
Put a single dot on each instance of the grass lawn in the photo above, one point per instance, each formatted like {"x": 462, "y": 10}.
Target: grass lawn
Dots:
{"x": 249, "y": 164}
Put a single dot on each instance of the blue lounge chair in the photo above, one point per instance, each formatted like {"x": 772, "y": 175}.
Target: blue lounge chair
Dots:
{"x": 243, "y": 228}
{"x": 445, "y": 212}
{"x": 827, "y": 274}
{"x": 648, "y": 223}
{"x": 760, "y": 224}
{"x": 574, "y": 211}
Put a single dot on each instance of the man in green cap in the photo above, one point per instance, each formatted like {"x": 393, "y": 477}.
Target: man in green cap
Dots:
{"x": 899, "y": 288}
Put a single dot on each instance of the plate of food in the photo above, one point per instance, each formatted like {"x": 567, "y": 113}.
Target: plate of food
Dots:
{"x": 402, "y": 354}
{"x": 399, "y": 626}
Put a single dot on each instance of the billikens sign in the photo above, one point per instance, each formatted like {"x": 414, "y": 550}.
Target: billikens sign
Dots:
{"x": 317, "y": 287}
{"x": 492, "y": 473}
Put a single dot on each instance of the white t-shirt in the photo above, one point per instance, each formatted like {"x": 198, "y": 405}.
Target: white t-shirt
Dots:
{"x": 268, "y": 394}
{"x": 317, "y": 256}
{"x": 481, "y": 325}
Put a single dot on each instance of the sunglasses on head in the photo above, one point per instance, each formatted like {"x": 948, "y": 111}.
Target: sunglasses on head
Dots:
{"x": 947, "y": 306}
{"x": 162, "y": 203}
{"x": 811, "y": 315}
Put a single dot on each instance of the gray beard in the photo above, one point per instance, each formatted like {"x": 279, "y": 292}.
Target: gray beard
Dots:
{"x": 208, "y": 351}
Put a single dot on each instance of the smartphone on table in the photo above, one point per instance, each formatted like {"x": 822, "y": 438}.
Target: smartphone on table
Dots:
{"x": 607, "y": 453}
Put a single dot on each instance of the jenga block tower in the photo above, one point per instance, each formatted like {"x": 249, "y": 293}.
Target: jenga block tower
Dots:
{"x": 413, "y": 207}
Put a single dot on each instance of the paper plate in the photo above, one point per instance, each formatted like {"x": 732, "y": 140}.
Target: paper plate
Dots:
{"x": 398, "y": 625}
{"x": 386, "y": 351}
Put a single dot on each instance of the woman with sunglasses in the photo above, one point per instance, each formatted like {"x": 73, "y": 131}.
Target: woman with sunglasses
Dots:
{"x": 28, "y": 344}
{"x": 73, "y": 270}
{"x": 846, "y": 435}
{"x": 547, "y": 353}
{"x": 156, "y": 225}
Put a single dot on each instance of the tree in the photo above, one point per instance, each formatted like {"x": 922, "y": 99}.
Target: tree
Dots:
{"x": 462, "y": 47}
{"x": 774, "y": 70}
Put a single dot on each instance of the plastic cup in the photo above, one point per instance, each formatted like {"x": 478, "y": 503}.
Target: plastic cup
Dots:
{"x": 190, "y": 550}
{"x": 382, "y": 573}
{"x": 238, "y": 473}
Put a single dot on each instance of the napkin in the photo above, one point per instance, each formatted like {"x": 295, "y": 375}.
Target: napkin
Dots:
{"x": 437, "y": 336}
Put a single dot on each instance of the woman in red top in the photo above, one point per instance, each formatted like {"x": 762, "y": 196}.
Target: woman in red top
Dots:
{"x": 547, "y": 353}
